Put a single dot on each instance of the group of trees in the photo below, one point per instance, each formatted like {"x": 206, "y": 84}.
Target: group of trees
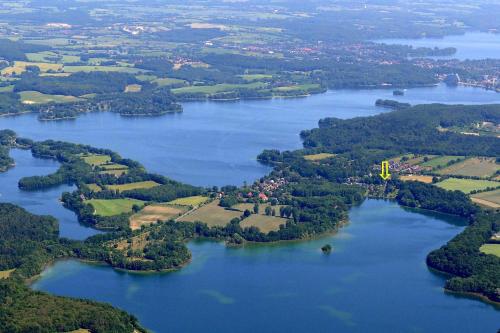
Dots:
{"x": 409, "y": 130}
{"x": 473, "y": 271}
{"x": 28, "y": 243}
{"x": 16, "y": 50}
{"x": 77, "y": 84}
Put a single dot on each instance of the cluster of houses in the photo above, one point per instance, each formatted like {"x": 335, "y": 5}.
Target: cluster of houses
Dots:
{"x": 404, "y": 167}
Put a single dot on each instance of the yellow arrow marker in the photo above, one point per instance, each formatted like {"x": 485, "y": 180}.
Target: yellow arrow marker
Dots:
{"x": 385, "y": 170}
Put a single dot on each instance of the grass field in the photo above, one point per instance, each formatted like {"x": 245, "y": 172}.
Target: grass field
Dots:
{"x": 95, "y": 159}
{"x": 116, "y": 173}
{"x": 490, "y": 199}
{"x": 74, "y": 69}
{"x": 133, "y": 186}
{"x": 466, "y": 185}
{"x": 491, "y": 249}
{"x": 318, "y": 157}
{"x": 477, "y": 167}
{"x": 217, "y": 88}
{"x": 20, "y": 67}
{"x": 190, "y": 201}
{"x": 305, "y": 87}
{"x": 113, "y": 166}
{"x": 211, "y": 214}
{"x": 35, "y": 97}
{"x": 9, "y": 88}
{"x": 167, "y": 82}
{"x": 6, "y": 274}
{"x": 263, "y": 222}
{"x": 114, "y": 206}
{"x": 94, "y": 187}
{"x": 255, "y": 77}
{"x": 439, "y": 161}
{"x": 423, "y": 179}
{"x": 152, "y": 213}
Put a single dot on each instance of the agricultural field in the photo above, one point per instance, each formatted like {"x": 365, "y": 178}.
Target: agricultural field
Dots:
{"x": 112, "y": 207}
{"x": 413, "y": 159}
{"x": 493, "y": 249}
{"x": 6, "y": 274}
{"x": 299, "y": 87}
{"x": 94, "y": 187}
{"x": 114, "y": 172}
{"x": 96, "y": 160}
{"x": 418, "y": 178}
{"x": 19, "y": 67}
{"x": 489, "y": 199}
{"x": 9, "y": 88}
{"x": 35, "y": 97}
{"x": 133, "y": 186}
{"x": 211, "y": 214}
{"x": 440, "y": 161}
{"x": 168, "y": 82}
{"x": 130, "y": 70}
{"x": 133, "y": 88}
{"x": 263, "y": 222}
{"x": 256, "y": 77}
{"x": 190, "y": 201}
{"x": 466, "y": 185}
{"x": 113, "y": 166}
{"x": 217, "y": 88}
{"x": 474, "y": 167}
{"x": 152, "y": 213}
{"x": 318, "y": 157}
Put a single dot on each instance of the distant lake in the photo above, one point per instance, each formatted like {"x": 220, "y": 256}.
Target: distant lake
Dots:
{"x": 471, "y": 45}
{"x": 375, "y": 280}
{"x": 215, "y": 143}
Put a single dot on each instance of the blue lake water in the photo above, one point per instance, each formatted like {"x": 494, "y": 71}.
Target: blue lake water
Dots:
{"x": 471, "y": 45}
{"x": 217, "y": 143}
{"x": 376, "y": 280}
{"x": 40, "y": 202}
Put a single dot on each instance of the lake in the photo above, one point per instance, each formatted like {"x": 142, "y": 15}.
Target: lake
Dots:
{"x": 217, "y": 143}
{"x": 375, "y": 280}
{"x": 40, "y": 202}
{"x": 471, "y": 45}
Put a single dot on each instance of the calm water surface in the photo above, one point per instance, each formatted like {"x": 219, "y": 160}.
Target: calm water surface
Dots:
{"x": 375, "y": 280}
{"x": 472, "y": 45}
{"x": 217, "y": 143}
{"x": 40, "y": 202}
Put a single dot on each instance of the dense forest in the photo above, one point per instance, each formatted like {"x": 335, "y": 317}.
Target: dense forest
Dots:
{"x": 76, "y": 84}
{"x": 16, "y": 50}
{"x": 29, "y": 242}
{"x": 473, "y": 271}
{"x": 413, "y": 129}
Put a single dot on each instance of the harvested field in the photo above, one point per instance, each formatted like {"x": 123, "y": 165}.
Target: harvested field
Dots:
{"x": 489, "y": 199}
{"x": 474, "y": 167}
{"x": 211, "y": 214}
{"x": 263, "y": 222}
{"x": 133, "y": 186}
{"x": 318, "y": 157}
{"x": 423, "y": 179}
{"x": 190, "y": 201}
{"x": 152, "y": 213}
